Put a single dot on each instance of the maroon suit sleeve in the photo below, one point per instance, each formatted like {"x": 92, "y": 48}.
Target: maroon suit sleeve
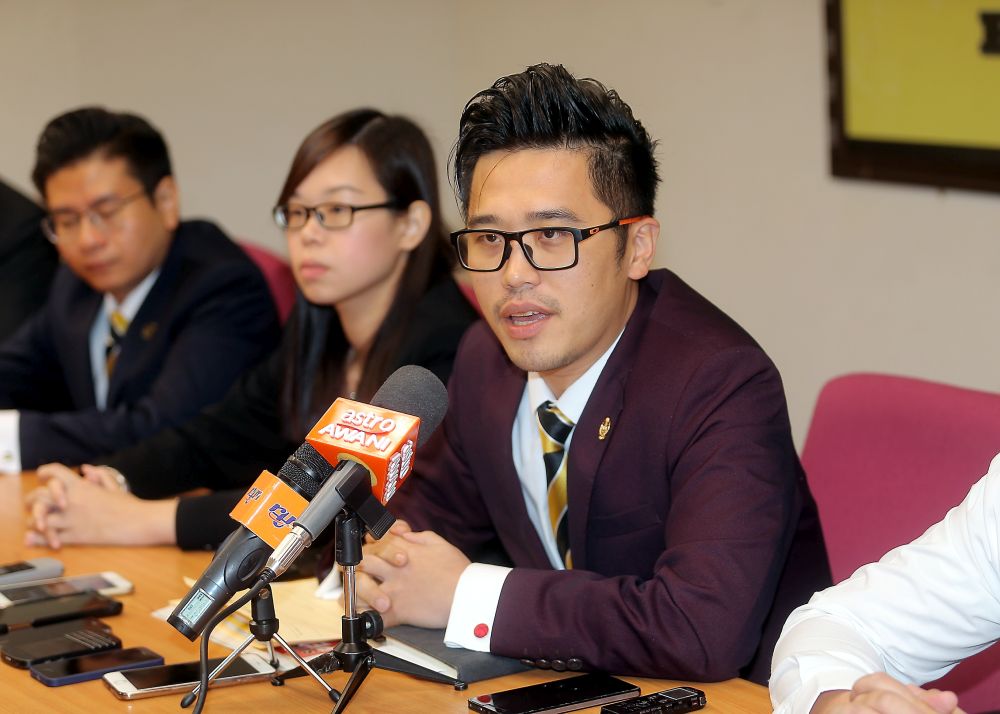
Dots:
{"x": 442, "y": 495}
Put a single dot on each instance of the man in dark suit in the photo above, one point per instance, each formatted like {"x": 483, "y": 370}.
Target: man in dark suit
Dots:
{"x": 27, "y": 260}
{"x": 149, "y": 318}
{"x": 623, "y": 441}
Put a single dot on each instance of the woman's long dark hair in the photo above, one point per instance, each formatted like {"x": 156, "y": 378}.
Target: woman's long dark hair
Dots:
{"x": 403, "y": 162}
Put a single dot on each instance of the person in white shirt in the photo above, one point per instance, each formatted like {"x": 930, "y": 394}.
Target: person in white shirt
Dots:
{"x": 866, "y": 644}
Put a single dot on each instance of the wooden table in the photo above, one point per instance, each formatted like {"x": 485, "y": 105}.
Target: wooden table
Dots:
{"x": 157, "y": 574}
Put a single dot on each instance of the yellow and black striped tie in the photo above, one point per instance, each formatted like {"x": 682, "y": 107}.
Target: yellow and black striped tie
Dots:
{"x": 117, "y": 327}
{"x": 555, "y": 428}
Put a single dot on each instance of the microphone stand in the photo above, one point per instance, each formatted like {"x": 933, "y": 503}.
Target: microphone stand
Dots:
{"x": 354, "y": 654}
{"x": 263, "y": 628}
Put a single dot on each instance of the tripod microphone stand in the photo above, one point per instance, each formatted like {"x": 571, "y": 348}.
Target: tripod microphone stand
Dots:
{"x": 354, "y": 654}
{"x": 263, "y": 628}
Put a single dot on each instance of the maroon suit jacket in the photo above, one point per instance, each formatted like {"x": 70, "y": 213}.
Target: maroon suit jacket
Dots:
{"x": 682, "y": 518}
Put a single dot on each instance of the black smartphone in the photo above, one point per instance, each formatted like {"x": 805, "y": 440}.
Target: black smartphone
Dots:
{"x": 561, "y": 695}
{"x": 71, "y": 670}
{"x": 41, "y": 644}
{"x": 27, "y": 634}
{"x": 57, "y": 609}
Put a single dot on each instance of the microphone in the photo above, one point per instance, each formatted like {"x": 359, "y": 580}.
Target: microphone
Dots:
{"x": 375, "y": 448}
{"x": 239, "y": 558}
{"x": 274, "y": 503}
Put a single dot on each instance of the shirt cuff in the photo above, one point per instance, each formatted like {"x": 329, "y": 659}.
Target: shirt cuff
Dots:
{"x": 10, "y": 441}
{"x": 470, "y": 623}
{"x": 793, "y": 694}
{"x": 817, "y": 653}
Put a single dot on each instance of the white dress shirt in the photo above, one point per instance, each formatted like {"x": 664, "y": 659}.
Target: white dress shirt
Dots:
{"x": 474, "y": 607}
{"x": 915, "y": 614}
{"x": 10, "y": 419}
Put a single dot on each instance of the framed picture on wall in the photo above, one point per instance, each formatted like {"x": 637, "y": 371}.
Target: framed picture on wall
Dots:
{"x": 915, "y": 91}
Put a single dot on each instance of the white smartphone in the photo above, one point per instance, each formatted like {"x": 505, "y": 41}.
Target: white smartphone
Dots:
{"x": 180, "y": 678}
{"x": 25, "y": 570}
{"x": 107, "y": 583}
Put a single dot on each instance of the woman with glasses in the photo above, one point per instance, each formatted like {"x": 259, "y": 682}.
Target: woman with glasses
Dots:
{"x": 360, "y": 211}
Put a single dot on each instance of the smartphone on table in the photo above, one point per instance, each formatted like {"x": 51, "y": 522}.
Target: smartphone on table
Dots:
{"x": 26, "y": 634}
{"x": 71, "y": 670}
{"x": 107, "y": 583}
{"x": 560, "y": 695}
{"x": 181, "y": 678}
{"x": 25, "y": 570}
{"x": 24, "y": 648}
{"x": 56, "y": 609}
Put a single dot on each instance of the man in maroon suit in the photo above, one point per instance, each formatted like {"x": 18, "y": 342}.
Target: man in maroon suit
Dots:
{"x": 623, "y": 442}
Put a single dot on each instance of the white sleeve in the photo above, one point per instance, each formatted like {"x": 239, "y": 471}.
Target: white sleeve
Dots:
{"x": 915, "y": 614}
{"x": 10, "y": 441}
{"x": 470, "y": 622}
{"x": 816, "y": 654}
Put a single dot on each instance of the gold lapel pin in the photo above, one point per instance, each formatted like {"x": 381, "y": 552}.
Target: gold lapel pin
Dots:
{"x": 602, "y": 431}
{"x": 148, "y": 330}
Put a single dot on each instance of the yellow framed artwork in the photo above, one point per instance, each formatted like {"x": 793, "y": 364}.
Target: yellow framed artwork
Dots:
{"x": 915, "y": 91}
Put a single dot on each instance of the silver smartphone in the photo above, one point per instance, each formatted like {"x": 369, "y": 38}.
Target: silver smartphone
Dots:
{"x": 106, "y": 583}
{"x": 181, "y": 678}
{"x": 25, "y": 570}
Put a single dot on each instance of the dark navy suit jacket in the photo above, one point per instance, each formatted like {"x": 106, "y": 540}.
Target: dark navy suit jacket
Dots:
{"x": 208, "y": 317}
{"x": 691, "y": 525}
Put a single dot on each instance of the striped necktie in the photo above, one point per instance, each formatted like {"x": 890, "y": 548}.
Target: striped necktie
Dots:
{"x": 117, "y": 327}
{"x": 555, "y": 428}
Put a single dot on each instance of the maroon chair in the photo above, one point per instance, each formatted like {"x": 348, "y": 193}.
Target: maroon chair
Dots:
{"x": 278, "y": 275}
{"x": 887, "y": 457}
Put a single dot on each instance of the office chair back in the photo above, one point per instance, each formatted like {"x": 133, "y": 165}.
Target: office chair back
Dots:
{"x": 887, "y": 457}
{"x": 278, "y": 275}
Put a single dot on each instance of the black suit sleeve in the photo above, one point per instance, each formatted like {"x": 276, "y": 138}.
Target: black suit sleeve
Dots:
{"x": 225, "y": 446}
{"x": 202, "y": 522}
{"x": 27, "y": 260}
{"x": 30, "y": 370}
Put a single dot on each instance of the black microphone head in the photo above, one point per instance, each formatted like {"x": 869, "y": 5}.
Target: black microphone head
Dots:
{"x": 415, "y": 391}
{"x": 306, "y": 470}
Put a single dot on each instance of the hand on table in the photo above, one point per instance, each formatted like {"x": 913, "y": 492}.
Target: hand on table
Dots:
{"x": 881, "y": 694}
{"x": 69, "y": 509}
{"x": 410, "y": 577}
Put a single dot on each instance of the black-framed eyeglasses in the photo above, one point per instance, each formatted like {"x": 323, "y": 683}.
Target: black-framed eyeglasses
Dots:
{"x": 64, "y": 224}
{"x": 329, "y": 215}
{"x": 551, "y": 248}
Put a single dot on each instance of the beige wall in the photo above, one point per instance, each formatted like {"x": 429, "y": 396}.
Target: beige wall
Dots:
{"x": 830, "y": 276}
